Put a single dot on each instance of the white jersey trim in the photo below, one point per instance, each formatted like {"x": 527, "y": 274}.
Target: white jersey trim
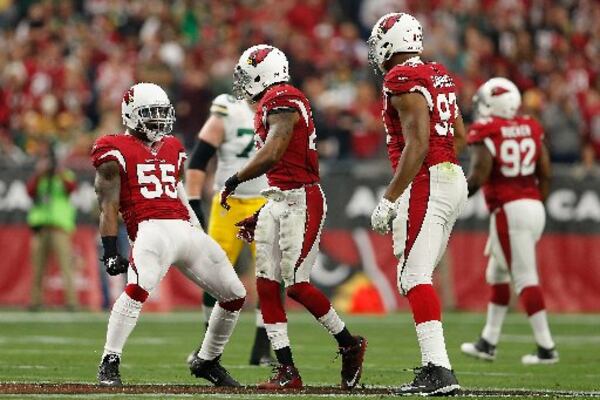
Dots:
{"x": 423, "y": 90}
{"x": 117, "y": 154}
{"x": 302, "y": 110}
{"x": 489, "y": 143}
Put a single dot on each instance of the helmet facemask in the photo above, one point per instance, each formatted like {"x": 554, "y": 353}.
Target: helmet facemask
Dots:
{"x": 241, "y": 80}
{"x": 155, "y": 121}
{"x": 375, "y": 62}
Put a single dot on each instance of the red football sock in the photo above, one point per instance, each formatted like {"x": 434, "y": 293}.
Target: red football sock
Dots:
{"x": 310, "y": 297}
{"x": 271, "y": 306}
{"x": 500, "y": 294}
{"x": 532, "y": 299}
{"x": 425, "y": 304}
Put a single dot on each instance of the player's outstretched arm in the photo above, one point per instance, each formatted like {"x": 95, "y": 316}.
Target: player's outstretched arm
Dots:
{"x": 480, "y": 169}
{"x": 460, "y": 135}
{"x": 281, "y": 128}
{"x": 108, "y": 188}
{"x": 414, "y": 117}
{"x": 543, "y": 171}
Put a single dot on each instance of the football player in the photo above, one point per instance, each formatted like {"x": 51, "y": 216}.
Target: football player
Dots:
{"x": 138, "y": 174}
{"x": 288, "y": 227}
{"x": 428, "y": 189}
{"x": 511, "y": 163}
{"x": 228, "y": 132}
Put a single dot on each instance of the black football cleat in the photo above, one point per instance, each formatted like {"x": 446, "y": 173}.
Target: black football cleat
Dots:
{"x": 193, "y": 355}
{"x": 352, "y": 362}
{"x": 212, "y": 371}
{"x": 108, "y": 371}
{"x": 481, "y": 349}
{"x": 431, "y": 380}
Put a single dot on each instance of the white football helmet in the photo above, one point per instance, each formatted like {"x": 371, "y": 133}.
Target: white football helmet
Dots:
{"x": 147, "y": 108}
{"x": 258, "y": 68}
{"x": 394, "y": 33}
{"x": 497, "y": 97}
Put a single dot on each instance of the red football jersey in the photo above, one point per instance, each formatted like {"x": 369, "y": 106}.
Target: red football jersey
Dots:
{"x": 515, "y": 146}
{"x": 434, "y": 83}
{"x": 299, "y": 165}
{"x": 149, "y": 176}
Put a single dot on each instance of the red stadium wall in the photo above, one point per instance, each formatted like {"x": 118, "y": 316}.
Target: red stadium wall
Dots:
{"x": 569, "y": 286}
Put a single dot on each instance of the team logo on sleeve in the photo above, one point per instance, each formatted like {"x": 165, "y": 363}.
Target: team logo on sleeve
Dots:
{"x": 389, "y": 22}
{"x": 128, "y": 96}
{"x": 258, "y": 56}
{"x": 498, "y": 90}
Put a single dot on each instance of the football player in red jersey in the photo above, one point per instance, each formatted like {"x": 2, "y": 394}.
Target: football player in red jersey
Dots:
{"x": 511, "y": 163}
{"x": 288, "y": 227}
{"x": 428, "y": 190}
{"x": 138, "y": 174}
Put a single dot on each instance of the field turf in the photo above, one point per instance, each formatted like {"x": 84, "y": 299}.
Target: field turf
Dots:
{"x": 57, "y": 348}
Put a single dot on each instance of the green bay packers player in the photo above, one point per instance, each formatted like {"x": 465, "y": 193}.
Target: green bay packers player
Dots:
{"x": 228, "y": 132}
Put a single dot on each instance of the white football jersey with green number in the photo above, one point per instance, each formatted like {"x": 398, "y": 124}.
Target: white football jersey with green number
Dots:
{"x": 238, "y": 144}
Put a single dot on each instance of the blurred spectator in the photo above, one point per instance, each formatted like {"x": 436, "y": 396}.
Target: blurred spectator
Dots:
{"x": 52, "y": 220}
{"x": 65, "y": 65}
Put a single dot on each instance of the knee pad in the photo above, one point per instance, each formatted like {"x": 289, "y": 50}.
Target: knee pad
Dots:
{"x": 409, "y": 280}
{"x": 233, "y": 305}
{"x": 136, "y": 292}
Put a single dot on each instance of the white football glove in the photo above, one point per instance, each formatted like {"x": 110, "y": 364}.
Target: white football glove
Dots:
{"x": 383, "y": 214}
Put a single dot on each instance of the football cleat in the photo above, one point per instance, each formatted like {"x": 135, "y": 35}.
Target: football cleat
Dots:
{"x": 481, "y": 349}
{"x": 431, "y": 380}
{"x": 542, "y": 356}
{"x": 352, "y": 362}
{"x": 212, "y": 371}
{"x": 284, "y": 377}
{"x": 192, "y": 356}
{"x": 108, "y": 371}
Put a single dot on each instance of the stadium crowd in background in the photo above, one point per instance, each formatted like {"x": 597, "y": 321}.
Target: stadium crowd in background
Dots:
{"x": 64, "y": 65}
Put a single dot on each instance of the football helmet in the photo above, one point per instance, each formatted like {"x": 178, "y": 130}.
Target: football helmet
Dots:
{"x": 498, "y": 97}
{"x": 258, "y": 68}
{"x": 394, "y": 33}
{"x": 146, "y": 108}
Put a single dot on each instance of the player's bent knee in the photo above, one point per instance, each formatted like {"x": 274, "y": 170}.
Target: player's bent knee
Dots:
{"x": 136, "y": 292}
{"x": 233, "y": 305}
{"x": 408, "y": 281}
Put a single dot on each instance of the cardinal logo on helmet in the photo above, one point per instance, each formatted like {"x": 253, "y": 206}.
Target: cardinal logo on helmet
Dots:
{"x": 389, "y": 22}
{"x": 498, "y": 90}
{"x": 258, "y": 56}
{"x": 128, "y": 96}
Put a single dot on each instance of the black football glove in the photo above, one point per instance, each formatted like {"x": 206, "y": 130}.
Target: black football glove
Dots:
{"x": 196, "y": 205}
{"x": 230, "y": 185}
{"x": 114, "y": 263}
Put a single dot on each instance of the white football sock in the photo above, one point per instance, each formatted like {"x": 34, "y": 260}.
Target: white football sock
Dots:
{"x": 332, "y": 322}
{"x": 260, "y": 323}
{"x": 278, "y": 336}
{"x": 493, "y": 324}
{"x": 541, "y": 330}
{"x": 220, "y": 327}
{"x": 430, "y": 335}
{"x": 123, "y": 317}
{"x": 207, "y": 311}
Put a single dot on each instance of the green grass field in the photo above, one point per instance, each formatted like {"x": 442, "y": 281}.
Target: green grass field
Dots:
{"x": 60, "y": 347}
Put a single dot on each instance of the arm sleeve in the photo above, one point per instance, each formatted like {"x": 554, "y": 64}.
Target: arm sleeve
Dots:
{"x": 401, "y": 80}
{"x": 201, "y": 155}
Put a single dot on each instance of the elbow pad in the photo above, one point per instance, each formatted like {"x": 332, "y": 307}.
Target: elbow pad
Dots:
{"x": 201, "y": 155}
